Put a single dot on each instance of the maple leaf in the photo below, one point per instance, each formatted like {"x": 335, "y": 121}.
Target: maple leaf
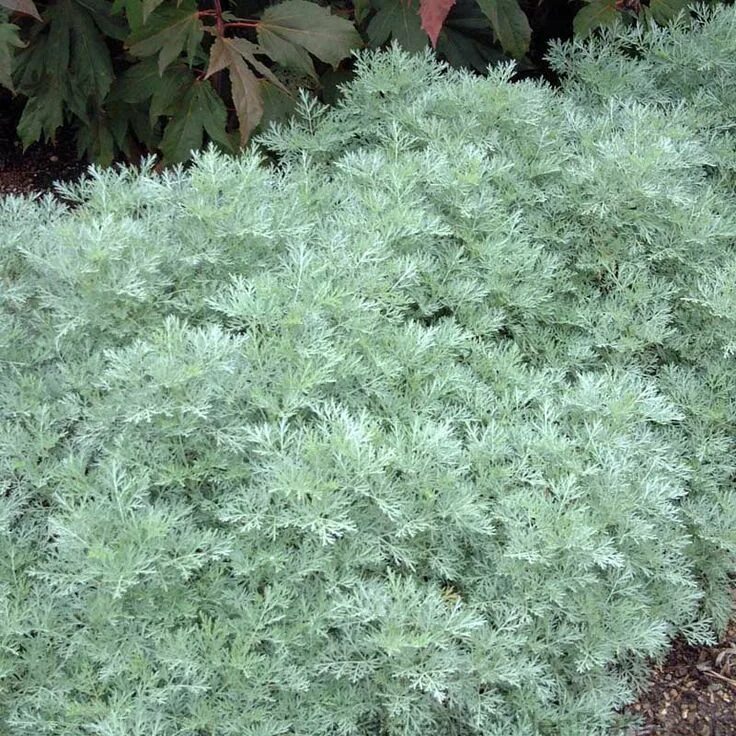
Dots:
{"x": 665, "y": 10}
{"x": 27, "y": 7}
{"x": 433, "y": 14}
{"x": 142, "y": 82}
{"x": 398, "y": 20}
{"x": 148, "y": 7}
{"x": 290, "y": 31}
{"x": 9, "y": 39}
{"x": 169, "y": 32}
{"x": 67, "y": 67}
{"x": 593, "y": 15}
{"x": 129, "y": 107}
{"x": 43, "y": 114}
{"x": 101, "y": 13}
{"x": 510, "y": 24}
{"x": 237, "y": 55}
{"x": 198, "y": 110}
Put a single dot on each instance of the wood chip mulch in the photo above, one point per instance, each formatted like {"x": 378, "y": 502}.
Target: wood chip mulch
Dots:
{"x": 693, "y": 693}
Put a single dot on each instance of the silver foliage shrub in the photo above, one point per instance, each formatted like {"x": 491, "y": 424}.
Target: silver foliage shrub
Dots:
{"x": 426, "y": 428}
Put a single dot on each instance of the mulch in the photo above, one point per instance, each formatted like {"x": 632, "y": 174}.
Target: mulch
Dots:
{"x": 692, "y": 693}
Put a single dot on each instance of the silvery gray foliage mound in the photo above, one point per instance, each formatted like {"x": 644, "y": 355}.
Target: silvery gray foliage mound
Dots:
{"x": 426, "y": 428}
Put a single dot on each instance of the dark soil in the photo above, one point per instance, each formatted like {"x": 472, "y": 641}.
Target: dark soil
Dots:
{"x": 36, "y": 169}
{"x": 693, "y": 693}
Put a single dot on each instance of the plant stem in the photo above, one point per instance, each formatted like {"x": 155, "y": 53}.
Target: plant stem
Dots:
{"x": 220, "y": 23}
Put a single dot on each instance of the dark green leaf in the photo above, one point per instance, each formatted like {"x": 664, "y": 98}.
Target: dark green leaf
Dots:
{"x": 331, "y": 82}
{"x": 465, "y": 51}
{"x": 362, "y": 8}
{"x": 290, "y": 28}
{"x": 68, "y": 63}
{"x": 278, "y": 106}
{"x": 510, "y": 24}
{"x": 133, "y": 10}
{"x": 91, "y": 66}
{"x": 400, "y": 20}
{"x": 142, "y": 82}
{"x": 101, "y": 12}
{"x": 664, "y": 11}
{"x": 58, "y": 46}
{"x": 200, "y": 110}
{"x": 42, "y": 115}
{"x": 287, "y": 54}
{"x": 593, "y": 15}
{"x": 9, "y": 40}
{"x": 139, "y": 81}
{"x": 97, "y": 142}
{"x": 169, "y": 32}
{"x": 172, "y": 85}
{"x": 148, "y": 7}
{"x": 129, "y": 104}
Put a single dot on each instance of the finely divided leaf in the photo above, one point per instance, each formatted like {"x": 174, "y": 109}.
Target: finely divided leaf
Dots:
{"x": 593, "y": 15}
{"x": 290, "y": 29}
{"x": 169, "y": 32}
{"x": 510, "y": 25}
{"x": 433, "y": 14}
{"x": 27, "y": 7}
{"x": 9, "y": 39}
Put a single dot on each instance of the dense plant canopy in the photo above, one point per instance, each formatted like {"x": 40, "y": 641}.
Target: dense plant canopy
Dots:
{"x": 427, "y": 427}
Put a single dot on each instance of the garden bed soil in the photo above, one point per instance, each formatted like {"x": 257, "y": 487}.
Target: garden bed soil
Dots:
{"x": 36, "y": 169}
{"x": 693, "y": 693}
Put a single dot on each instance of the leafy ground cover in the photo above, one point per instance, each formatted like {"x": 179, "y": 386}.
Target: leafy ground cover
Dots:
{"x": 427, "y": 427}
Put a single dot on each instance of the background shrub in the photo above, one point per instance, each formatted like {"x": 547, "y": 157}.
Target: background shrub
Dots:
{"x": 425, "y": 428}
{"x": 130, "y": 76}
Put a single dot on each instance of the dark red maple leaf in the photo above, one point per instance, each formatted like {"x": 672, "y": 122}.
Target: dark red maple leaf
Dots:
{"x": 433, "y": 14}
